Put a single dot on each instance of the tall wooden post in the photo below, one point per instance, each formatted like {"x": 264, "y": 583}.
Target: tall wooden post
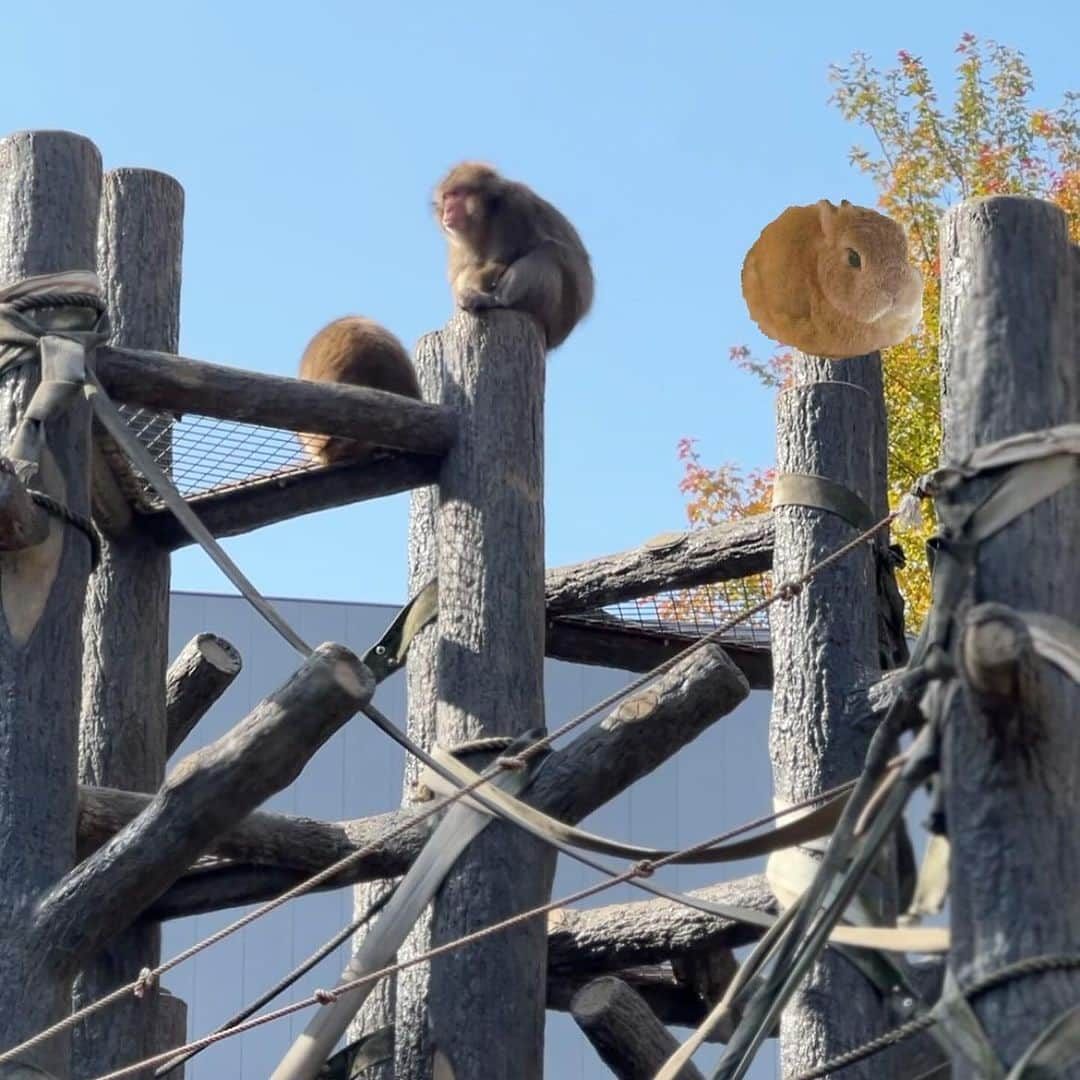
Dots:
{"x": 126, "y": 624}
{"x": 50, "y": 187}
{"x": 1010, "y": 356}
{"x": 825, "y": 649}
{"x": 479, "y": 1011}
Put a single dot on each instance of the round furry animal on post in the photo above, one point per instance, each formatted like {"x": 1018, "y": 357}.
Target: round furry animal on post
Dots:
{"x": 509, "y": 248}
{"x": 358, "y": 351}
{"x": 832, "y": 281}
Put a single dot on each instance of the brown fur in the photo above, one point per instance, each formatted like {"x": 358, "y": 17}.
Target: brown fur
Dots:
{"x": 510, "y": 248}
{"x": 801, "y": 289}
{"x": 358, "y": 351}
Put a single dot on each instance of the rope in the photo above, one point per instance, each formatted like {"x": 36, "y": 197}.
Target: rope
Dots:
{"x": 786, "y": 591}
{"x": 56, "y": 300}
{"x": 57, "y": 509}
{"x": 1034, "y": 965}
{"x": 644, "y": 868}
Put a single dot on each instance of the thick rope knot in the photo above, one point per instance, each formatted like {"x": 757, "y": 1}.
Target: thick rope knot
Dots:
{"x": 324, "y": 997}
{"x": 145, "y": 983}
{"x": 644, "y": 868}
{"x": 788, "y": 590}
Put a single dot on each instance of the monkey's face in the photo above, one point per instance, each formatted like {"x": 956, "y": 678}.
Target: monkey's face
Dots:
{"x": 461, "y": 212}
{"x": 863, "y": 266}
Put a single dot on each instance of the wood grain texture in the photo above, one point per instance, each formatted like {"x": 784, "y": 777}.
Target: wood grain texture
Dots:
{"x": 50, "y": 186}
{"x": 624, "y": 1031}
{"x": 205, "y": 794}
{"x": 161, "y": 380}
{"x": 202, "y": 671}
{"x": 1010, "y": 353}
{"x": 122, "y": 729}
{"x": 825, "y": 656}
{"x": 490, "y": 556}
{"x": 734, "y": 549}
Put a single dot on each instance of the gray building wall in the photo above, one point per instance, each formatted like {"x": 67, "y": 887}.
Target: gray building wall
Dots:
{"x": 719, "y": 781}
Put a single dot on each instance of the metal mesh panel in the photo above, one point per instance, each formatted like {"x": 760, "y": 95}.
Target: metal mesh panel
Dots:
{"x": 693, "y": 613}
{"x": 204, "y": 455}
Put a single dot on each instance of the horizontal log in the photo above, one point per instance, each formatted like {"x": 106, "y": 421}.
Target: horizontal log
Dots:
{"x": 626, "y": 1034}
{"x": 628, "y": 648}
{"x": 202, "y": 671}
{"x": 281, "y": 498}
{"x": 642, "y": 733}
{"x": 616, "y": 936}
{"x": 734, "y": 549}
{"x": 670, "y": 1001}
{"x": 205, "y": 795}
{"x": 279, "y": 842}
{"x": 157, "y": 380}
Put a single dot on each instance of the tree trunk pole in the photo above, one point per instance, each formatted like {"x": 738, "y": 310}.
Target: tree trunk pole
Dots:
{"x": 122, "y": 732}
{"x": 479, "y": 1011}
{"x": 50, "y": 187}
{"x": 825, "y": 652}
{"x": 1010, "y": 363}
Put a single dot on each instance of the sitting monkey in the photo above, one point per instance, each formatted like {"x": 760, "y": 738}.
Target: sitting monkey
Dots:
{"x": 358, "y": 351}
{"x": 832, "y": 281}
{"x": 509, "y": 248}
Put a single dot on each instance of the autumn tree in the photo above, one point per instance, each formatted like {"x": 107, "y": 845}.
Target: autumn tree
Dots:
{"x": 991, "y": 140}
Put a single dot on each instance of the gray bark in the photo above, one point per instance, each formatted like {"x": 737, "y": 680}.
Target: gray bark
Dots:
{"x": 624, "y": 1031}
{"x": 825, "y": 656}
{"x": 281, "y": 498}
{"x": 204, "y": 795}
{"x": 204, "y": 669}
{"x": 126, "y": 622}
{"x": 159, "y": 380}
{"x": 23, "y": 523}
{"x": 50, "y": 186}
{"x": 490, "y": 552}
{"x": 616, "y": 936}
{"x": 734, "y": 549}
{"x": 272, "y": 851}
{"x": 1010, "y": 342}
{"x": 626, "y": 648}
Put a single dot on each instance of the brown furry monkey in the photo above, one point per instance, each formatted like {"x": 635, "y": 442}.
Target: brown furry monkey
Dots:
{"x": 832, "y": 281}
{"x": 358, "y": 351}
{"x": 509, "y": 248}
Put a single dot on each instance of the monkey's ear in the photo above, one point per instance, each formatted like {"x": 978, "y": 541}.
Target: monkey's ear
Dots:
{"x": 827, "y": 216}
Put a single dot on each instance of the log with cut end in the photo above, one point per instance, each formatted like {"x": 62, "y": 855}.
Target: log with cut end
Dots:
{"x": 625, "y": 1032}
{"x": 200, "y": 674}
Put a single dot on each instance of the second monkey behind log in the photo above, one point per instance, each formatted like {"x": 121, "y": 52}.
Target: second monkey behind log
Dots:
{"x": 358, "y": 351}
{"x": 509, "y": 248}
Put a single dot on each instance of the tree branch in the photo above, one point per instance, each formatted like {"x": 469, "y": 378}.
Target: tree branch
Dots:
{"x": 206, "y": 793}
{"x": 204, "y": 669}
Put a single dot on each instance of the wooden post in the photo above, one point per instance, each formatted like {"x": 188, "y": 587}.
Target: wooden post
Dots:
{"x": 202, "y": 671}
{"x": 490, "y": 650}
{"x": 624, "y": 1030}
{"x": 50, "y": 187}
{"x": 1010, "y": 363}
{"x": 825, "y": 650}
{"x": 122, "y": 732}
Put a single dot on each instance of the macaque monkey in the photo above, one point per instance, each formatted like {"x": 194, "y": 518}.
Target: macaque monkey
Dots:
{"x": 832, "y": 281}
{"x": 358, "y": 351}
{"x": 511, "y": 249}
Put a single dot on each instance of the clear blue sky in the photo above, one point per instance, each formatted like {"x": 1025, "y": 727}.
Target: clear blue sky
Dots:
{"x": 307, "y": 138}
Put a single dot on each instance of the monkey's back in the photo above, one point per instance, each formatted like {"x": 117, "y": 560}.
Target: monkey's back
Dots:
{"x": 358, "y": 351}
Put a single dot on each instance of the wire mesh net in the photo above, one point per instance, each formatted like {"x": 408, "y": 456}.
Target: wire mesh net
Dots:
{"x": 203, "y": 455}
{"x": 693, "y": 613}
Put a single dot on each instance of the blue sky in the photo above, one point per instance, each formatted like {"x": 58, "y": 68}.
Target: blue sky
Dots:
{"x": 307, "y": 138}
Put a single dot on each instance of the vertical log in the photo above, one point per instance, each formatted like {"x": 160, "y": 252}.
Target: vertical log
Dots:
{"x": 122, "y": 732}
{"x": 479, "y": 1011}
{"x": 1010, "y": 355}
{"x": 825, "y": 649}
{"x": 50, "y": 186}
